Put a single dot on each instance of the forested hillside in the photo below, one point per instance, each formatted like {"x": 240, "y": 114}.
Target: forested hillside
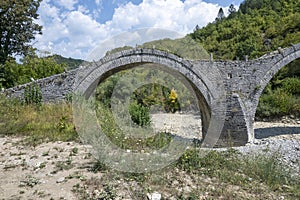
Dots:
{"x": 71, "y": 63}
{"x": 258, "y": 27}
{"x": 184, "y": 47}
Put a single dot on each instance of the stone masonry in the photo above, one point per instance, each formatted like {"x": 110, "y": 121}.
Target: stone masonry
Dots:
{"x": 228, "y": 91}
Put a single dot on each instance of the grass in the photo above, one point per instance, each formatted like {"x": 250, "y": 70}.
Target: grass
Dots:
{"x": 210, "y": 174}
{"x": 206, "y": 173}
{"x": 230, "y": 166}
{"x": 113, "y": 132}
{"x": 44, "y": 123}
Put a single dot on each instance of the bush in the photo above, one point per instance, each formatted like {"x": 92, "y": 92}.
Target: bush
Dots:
{"x": 292, "y": 85}
{"x": 11, "y": 120}
{"x": 278, "y": 104}
{"x": 33, "y": 94}
{"x": 139, "y": 114}
{"x": 50, "y": 122}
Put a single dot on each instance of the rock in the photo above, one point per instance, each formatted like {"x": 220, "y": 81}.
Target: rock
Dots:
{"x": 60, "y": 180}
{"x": 154, "y": 196}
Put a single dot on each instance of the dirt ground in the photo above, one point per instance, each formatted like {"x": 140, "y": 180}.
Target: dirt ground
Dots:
{"x": 51, "y": 170}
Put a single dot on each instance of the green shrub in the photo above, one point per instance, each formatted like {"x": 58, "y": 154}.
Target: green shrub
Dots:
{"x": 292, "y": 85}
{"x": 32, "y": 94}
{"x": 50, "y": 122}
{"x": 139, "y": 114}
{"x": 11, "y": 120}
{"x": 277, "y": 104}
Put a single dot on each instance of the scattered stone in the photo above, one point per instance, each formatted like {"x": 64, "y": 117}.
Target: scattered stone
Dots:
{"x": 60, "y": 180}
{"x": 154, "y": 196}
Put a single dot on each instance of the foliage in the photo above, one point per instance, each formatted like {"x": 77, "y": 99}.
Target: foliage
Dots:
{"x": 221, "y": 15}
{"x": 105, "y": 89}
{"x": 17, "y": 26}
{"x": 230, "y": 166}
{"x": 258, "y": 27}
{"x": 119, "y": 138}
{"x": 231, "y": 9}
{"x": 32, "y": 67}
{"x": 69, "y": 63}
{"x": 246, "y": 32}
{"x": 172, "y": 104}
{"x": 150, "y": 95}
{"x": 50, "y": 122}
{"x": 139, "y": 114}
{"x": 279, "y": 102}
{"x": 282, "y": 95}
{"x": 32, "y": 94}
{"x": 184, "y": 47}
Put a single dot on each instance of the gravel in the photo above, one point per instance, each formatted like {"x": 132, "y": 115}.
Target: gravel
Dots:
{"x": 280, "y": 138}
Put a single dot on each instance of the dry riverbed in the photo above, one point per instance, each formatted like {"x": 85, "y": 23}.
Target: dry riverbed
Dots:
{"x": 61, "y": 170}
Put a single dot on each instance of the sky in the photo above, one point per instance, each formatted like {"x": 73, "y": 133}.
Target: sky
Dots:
{"x": 75, "y": 28}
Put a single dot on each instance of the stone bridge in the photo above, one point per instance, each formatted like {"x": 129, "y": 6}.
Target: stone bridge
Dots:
{"x": 229, "y": 88}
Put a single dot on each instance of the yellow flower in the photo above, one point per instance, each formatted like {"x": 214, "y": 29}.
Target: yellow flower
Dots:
{"x": 173, "y": 96}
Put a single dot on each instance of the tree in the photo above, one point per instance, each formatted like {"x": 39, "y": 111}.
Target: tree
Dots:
{"x": 221, "y": 15}
{"x": 231, "y": 9}
{"x": 17, "y": 26}
{"x": 32, "y": 67}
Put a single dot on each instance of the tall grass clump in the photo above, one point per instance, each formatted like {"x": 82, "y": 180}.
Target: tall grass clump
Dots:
{"x": 233, "y": 167}
{"x": 115, "y": 133}
{"x": 33, "y": 94}
{"x": 46, "y": 122}
{"x": 268, "y": 169}
{"x": 11, "y": 120}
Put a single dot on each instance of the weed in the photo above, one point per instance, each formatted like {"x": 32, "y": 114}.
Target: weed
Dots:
{"x": 33, "y": 95}
{"x": 98, "y": 166}
{"x": 46, "y": 153}
{"x": 42, "y": 165}
{"x": 64, "y": 165}
{"x": 74, "y": 151}
{"x": 29, "y": 181}
{"x": 229, "y": 166}
{"x": 51, "y": 122}
{"x": 107, "y": 193}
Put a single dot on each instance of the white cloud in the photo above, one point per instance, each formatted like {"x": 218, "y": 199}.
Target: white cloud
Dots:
{"x": 98, "y": 2}
{"x": 83, "y": 9}
{"x": 170, "y": 14}
{"x": 68, "y": 4}
{"x": 75, "y": 33}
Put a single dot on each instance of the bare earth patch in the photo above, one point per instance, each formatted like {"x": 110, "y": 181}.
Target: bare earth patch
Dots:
{"x": 63, "y": 170}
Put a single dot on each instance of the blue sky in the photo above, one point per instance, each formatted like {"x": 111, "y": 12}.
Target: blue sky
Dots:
{"x": 73, "y": 28}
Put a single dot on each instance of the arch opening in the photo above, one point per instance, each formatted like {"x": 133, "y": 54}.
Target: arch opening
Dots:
{"x": 187, "y": 115}
{"x": 278, "y": 109}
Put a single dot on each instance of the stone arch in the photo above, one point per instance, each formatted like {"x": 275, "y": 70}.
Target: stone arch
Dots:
{"x": 273, "y": 70}
{"x": 89, "y": 77}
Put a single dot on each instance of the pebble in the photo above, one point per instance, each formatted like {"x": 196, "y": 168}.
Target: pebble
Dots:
{"x": 60, "y": 180}
{"x": 154, "y": 196}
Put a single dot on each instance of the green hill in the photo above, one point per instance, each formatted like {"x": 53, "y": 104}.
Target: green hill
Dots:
{"x": 258, "y": 27}
{"x": 71, "y": 63}
{"x": 184, "y": 47}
